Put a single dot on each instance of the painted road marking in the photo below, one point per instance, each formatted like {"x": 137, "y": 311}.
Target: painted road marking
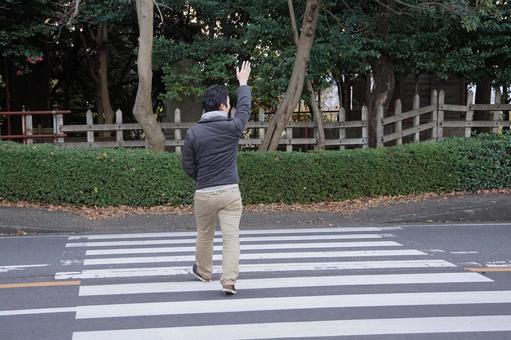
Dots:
{"x": 40, "y": 284}
{"x": 5, "y": 269}
{"x": 242, "y": 232}
{"x": 256, "y": 256}
{"x": 37, "y": 311}
{"x": 247, "y": 268}
{"x": 455, "y": 225}
{"x": 218, "y": 239}
{"x": 284, "y": 282}
{"x": 311, "y": 329}
{"x": 490, "y": 270}
{"x": 290, "y": 303}
{"x": 120, "y": 251}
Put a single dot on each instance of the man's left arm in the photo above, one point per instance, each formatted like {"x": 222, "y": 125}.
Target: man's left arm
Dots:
{"x": 188, "y": 156}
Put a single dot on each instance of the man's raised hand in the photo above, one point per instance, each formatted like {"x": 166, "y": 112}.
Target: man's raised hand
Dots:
{"x": 243, "y": 73}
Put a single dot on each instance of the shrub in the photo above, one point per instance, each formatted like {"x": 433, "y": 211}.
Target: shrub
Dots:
{"x": 107, "y": 177}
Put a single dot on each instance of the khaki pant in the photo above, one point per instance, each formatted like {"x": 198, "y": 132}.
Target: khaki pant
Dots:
{"x": 224, "y": 206}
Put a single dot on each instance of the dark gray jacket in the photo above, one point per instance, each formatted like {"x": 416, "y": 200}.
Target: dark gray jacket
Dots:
{"x": 211, "y": 146}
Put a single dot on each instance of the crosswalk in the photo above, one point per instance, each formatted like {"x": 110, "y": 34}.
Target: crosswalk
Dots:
{"x": 294, "y": 283}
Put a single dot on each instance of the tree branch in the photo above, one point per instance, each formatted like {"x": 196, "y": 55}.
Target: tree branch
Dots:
{"x": 84, "y": 44}
{"x": 159, "y": 11}
{"x": 293, "y": 22}
{"x": 74, "y": 13}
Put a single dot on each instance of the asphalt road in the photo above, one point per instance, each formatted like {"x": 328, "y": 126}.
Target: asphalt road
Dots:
{"x": 434, "y": 281}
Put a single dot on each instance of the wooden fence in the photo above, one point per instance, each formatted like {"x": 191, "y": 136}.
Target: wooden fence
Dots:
{"x": 421, "y": 124}
{"x": 253, "y": 137}
{"x": 393, "y": 129}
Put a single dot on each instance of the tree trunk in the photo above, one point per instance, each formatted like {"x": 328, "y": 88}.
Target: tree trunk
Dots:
{"x": 314, "y": 107}
{"x": 381, "y": 90}
{"x": 318, "y": 116}
{"x": 483, "y": 96}
{"x": 143, "y": 110}
{"x": 107, "y": 113}
{"x": 295, "y": 87}
{"x": 99, "y": 109}
{"x": 380, "y": 93}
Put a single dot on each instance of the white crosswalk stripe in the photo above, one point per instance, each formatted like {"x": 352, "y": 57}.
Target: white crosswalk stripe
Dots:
{"x": 319, "y": 274}
{"x": 259, "y": 246}
{"x": 284, "y": 282}
{"x": 242, "y": 232}
{"x": 257, "y": 256}
{"x": 285, "y": 303}
{"x": 252, "y": 268}
{"x": 312, "y": 329}
{"x": 219, "y": 239}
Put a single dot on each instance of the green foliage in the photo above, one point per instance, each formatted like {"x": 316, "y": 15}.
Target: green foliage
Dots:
{"x": 100, "y": 177}
{"x": 486, "y": 163}
{"x": 468, "y": 38}
{"x": 44, "y": 173}
{"x": 23, "y": 27}
{"x": 344, "y": 175}
{"x": 188, "y": 79}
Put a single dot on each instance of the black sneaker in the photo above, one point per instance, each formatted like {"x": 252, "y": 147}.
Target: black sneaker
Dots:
{"x": 229, "y": 290}
{"x": 197, "y": 275}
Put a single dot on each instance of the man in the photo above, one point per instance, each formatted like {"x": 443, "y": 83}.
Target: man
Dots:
{"x": 209, "y": 157}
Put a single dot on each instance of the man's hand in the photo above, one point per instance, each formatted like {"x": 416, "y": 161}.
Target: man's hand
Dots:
{"x": 244, "y": 73}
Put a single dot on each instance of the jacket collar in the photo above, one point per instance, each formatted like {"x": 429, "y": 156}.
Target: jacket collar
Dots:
{"x": 213, "y": 114}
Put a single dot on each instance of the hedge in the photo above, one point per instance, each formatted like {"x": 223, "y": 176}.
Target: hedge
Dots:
{"x": 107, "y": 177}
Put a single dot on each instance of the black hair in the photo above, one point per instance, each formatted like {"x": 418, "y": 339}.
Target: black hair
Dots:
{"x": 214, "y": 96}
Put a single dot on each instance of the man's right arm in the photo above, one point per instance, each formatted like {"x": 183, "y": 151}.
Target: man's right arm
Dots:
{"x": 243, "y": 106}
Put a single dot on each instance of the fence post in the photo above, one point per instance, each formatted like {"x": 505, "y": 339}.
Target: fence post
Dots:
{"x": 440, "y": 116}
{"x": 289, "y": 136}
{"x": 59, "y": 122}
{"x": 261, "y": 119}
{"x": 90, "y": 122}
{"x": 341, "y": 118}
{"x": 399, "y": 123}
{"x": 364, "y": 128}
{"x": 23, "y": 124}
{"x": 379, "y": 125}
{"x": 417, "y": 117}
{"x": 119, "y": 132}
{"x": 29, "y": 128}
{"x": 498, "y": 116}
{"x": 434, "y": 116}
{"x": 177, "y": 131}
{"x": 470, "y": 114}
{"x": 55, "y": 125}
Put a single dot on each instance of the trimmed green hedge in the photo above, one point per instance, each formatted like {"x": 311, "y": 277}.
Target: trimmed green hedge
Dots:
{"x": 106, "y": 177}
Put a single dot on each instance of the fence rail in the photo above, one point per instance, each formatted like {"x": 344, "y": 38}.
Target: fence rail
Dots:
{"x": 27, "y": 130}
{"x": 255, "y": 135}
{"x": 432, "y": 118}
{"x": 421, "y": 124}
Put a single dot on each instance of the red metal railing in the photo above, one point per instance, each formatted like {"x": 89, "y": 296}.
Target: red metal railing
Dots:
{"x": 27, "y": 135}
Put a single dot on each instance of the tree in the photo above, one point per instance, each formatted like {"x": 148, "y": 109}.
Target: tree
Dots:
{"x": 23, "y": 53}
{"x": 98, "y": 25}
{"x": 483, "y": 54}
{"x": 391, "y": 38}
{"x": 312, "y": 96}
{"x": 143, "y": 109}
{"x": 295, "y": 87}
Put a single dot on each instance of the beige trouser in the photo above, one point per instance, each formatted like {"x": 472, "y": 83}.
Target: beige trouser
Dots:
{"x": 225, "y": 206}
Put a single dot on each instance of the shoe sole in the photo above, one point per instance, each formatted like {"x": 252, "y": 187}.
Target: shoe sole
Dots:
{"x": 229, "y": 291}
{"x": 200, "y": 277}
